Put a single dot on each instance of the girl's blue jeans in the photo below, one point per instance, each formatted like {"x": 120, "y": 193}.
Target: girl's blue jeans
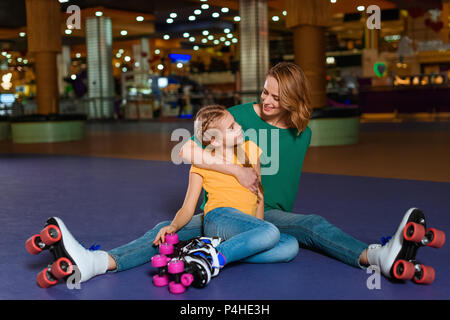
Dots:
{"x": 312, "y": 231}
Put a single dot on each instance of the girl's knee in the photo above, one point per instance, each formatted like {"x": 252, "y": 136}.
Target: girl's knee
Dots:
{"x": 271, "y": 235}
{"x": 290, "y": 247}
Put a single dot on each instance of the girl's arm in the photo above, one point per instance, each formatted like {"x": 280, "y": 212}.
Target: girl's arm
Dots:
{"x": 260, "y": 209}
{"x": 191, "y": 153}
{"x": 184, "y": 215}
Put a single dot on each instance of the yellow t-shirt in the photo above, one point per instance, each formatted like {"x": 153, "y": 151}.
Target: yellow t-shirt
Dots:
{"x": 225, "y": 190}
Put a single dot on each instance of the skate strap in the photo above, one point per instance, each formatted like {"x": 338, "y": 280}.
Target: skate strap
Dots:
{"x": 94, "y": 247}
{"x": 385, "y": 240}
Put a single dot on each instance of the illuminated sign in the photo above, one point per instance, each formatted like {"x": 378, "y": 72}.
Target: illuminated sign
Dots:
{"x": 175, "y": 57}
{"x": 6, "y": 81}
{"x": 380, "y": 69}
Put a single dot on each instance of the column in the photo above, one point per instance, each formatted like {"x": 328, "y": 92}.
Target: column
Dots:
{"x": 99, "y": 65}
{"x": 44, "y": 41}
{"x": 254, "y": 48}
{"x": 308, "y": 19}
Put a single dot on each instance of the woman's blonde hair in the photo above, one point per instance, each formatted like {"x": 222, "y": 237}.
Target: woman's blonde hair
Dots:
{"x": 294, "y": 93}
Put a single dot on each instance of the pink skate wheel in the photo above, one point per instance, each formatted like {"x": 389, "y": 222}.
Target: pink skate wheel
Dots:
{"x": 427, "y": 275}
{"x": 175, "y": 266}
{"x": 172, "y": 238}
{"x": 187, "y": 279}
{"x": 166, "y": 248}
{"x": 176, "y": 288}
{"x": 159, "y": 261}
{"x": 31, "y": 244}
{"x": 50, "y": 234}
{"x": 438, "y": 238}
{"x": 414, "y": 232}
{"x": 160, "y": 281}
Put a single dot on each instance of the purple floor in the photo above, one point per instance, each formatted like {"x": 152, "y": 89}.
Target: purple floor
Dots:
{"x": 112, "y": 201}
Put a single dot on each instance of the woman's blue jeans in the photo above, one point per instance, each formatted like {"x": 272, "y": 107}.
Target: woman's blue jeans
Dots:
{"x": 312, "y": 231}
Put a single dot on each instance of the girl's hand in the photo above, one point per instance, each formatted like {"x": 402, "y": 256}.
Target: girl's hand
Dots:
{"x": 160, "y": 237}
{"x": 247, "y": 177}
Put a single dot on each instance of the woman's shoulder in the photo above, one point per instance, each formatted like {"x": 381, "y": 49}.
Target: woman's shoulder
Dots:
{"x": 241, "y": 108}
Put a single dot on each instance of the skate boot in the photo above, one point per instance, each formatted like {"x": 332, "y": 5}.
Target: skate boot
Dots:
{"x": 184, "y": 247}
{"x": 397, "y": 257}
{"x": 67, "y": 253}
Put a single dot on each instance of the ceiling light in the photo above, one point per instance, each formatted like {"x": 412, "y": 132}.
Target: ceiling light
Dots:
{"x": 205, "y": 6}
{"x": 205, "y": 32}
{"x": 215, "y": 15}
{"x": 157, "y": 51}
{"x": 186, "y": 35}
{"x": 68, "y": 31}
{"x": 195, "y": 48}
{"x": 98, "y": 13}
{"x": 225, "y": 10}
{"x": 22, "y": 34}
{"x": 166, "y": 37}
{"x": 285, "y": 13}
{"x": 140, "y": 18}
{"x": 210, "y": 37}
{"x": 127, "y": 58}
{"x": 197, "y": 11}
{"x": 234, "y": 40}
{"x": 191, "y": 18}
{"x": 275, "y": 18}
{"x": 173, "y": 15}
{"x": 230, "y": 35}
{"x": 124, "y": 32}
{"x": 169, "y": 20}
{"x": 237, "y": 18}
{"x": 179, "y": 65}
{"x": 160, "y": 67}
{"x": 226, "y": 30}
{"x": 227, "y": 43}
{"x": 360, "y": 8}
{"x": 192, "y": 39}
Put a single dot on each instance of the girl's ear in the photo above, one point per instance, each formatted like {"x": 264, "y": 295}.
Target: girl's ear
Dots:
{"x": 214, "y": 142}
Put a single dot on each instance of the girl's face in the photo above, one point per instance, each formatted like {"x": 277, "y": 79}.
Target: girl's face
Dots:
{"x": 271, "y": 100}
{"x": 230, "y": 131}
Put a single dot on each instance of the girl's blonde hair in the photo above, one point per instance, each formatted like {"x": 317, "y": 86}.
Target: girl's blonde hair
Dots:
{"x": 294, "y": 93}
{"x": 205, "y": 119}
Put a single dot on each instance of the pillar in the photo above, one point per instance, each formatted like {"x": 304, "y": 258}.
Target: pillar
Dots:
{"x": 44, "y": 41}
{"x": 99, "y": 67}
{"x": 254, "y": 48}
{"x": 308, "y": 19}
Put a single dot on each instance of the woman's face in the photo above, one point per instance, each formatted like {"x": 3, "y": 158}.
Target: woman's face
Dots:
{"x": 270, "y": 99}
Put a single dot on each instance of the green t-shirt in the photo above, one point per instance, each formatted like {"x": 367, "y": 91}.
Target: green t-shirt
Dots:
{"x": 281, "y": 163}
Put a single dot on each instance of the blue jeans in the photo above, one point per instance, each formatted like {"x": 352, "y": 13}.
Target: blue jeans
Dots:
{"x": 248, "y": 238}
{"x": 312, "y": 231}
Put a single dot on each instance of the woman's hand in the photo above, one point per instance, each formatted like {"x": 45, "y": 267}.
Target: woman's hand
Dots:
{"x": 248, "y": 177}
{"x": 160, "y": 237}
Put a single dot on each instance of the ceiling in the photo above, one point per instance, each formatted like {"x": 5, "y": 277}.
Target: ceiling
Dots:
{"x": 123, "y": 14}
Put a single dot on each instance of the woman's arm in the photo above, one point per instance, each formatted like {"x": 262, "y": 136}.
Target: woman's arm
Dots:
{"x": 184, "y": 215}
{"x": 191, "y": 153}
